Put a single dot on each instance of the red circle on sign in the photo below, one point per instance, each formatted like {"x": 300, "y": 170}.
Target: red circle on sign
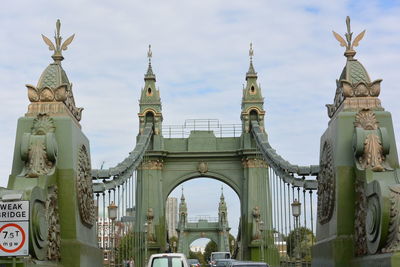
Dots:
{"x": 22, "y": 233}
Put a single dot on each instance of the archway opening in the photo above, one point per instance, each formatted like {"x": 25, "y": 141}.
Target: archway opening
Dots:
{"x": 198, "y": 249}
{"x": 202, "y": 197}
{"x": 149, "y": 117}
{"x": 253, "y": 115}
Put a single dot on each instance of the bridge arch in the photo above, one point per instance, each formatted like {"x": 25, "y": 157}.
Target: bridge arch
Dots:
{"x": 195, "y": 175}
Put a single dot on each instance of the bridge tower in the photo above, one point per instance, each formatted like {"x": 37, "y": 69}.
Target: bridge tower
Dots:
{"x": 52, "y": 169}
{"x": 217, "y": 231}
{"x": 256, "y": 200}
{"x": 358, "y": 185}
{"x": 150, "y": 225}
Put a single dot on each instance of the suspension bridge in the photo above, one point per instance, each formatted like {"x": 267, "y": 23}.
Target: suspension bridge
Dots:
{"x": 342, "y": 212}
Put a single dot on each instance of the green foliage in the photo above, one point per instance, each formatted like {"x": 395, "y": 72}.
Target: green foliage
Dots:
{"x": 210, "y": 247}
{"x": 300, "y": 241}
{"x": 197, "y": 255}
{"x": 124, "y": 250}
{"x": 231, "y": 244}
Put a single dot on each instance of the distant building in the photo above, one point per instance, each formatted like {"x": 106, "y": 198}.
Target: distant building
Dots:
{"x": 198, "y": 248}
{"x": 171, "y": 212}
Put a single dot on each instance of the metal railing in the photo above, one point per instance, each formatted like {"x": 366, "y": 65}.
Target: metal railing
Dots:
{"x": 196, "y": 219}
{"x": 210, "y": 125}
{"x": 292, "y": 200}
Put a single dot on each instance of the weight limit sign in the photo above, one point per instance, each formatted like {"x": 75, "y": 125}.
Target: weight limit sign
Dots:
{"x": 13, "y": 239}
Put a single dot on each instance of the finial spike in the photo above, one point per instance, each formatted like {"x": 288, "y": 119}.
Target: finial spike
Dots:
{"x": 251, "y": 52}
{"x": 149, "y": 54}
{"x": 58, "y": 47}
{"x": 349, "y": 53}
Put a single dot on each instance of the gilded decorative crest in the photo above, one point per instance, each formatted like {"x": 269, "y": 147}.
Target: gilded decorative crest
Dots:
{"x": 372, "y": 156}
{"x": 254, "y": 163}
{"x": 39, "y": 148}
{"x": 151, "y": 165}
{"x": 85, "y": 188}
{"x": 326, "y": 185}
{"x": 366, "y": 119}
{"x": 202, "y": 167}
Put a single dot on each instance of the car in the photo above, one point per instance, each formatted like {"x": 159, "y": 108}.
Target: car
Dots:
{"x": 218, "y": 256}
{"x": 222, "y": 262}
{"x": 247, "y": 264}
{"x": 168, "y": 260}
{"x": 193, "y": 262}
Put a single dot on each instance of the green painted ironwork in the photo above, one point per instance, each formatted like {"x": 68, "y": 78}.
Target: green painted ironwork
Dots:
{"x": 358, "y": 185}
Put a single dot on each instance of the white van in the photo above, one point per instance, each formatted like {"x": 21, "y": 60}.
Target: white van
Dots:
{"x": 168, "y": 260}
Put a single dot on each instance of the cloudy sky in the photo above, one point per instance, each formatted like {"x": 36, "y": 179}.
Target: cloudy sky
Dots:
{"x": 200, "y": 57}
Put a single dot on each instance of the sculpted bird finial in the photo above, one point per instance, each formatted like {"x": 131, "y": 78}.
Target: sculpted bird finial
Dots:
{"x": 58, "y": 47}
{"x": 349, "y": 53}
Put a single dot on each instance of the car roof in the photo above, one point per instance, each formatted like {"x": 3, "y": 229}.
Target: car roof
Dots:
{"x": 248, "y": 262}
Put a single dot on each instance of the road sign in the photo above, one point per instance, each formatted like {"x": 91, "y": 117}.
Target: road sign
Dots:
{"x": 14, "y": 211}
{"x": 14, "y": 228}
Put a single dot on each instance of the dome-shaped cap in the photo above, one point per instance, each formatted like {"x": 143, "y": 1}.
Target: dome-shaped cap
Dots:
{"x": 354, "y": 72}
{"x": 53, "y": 76}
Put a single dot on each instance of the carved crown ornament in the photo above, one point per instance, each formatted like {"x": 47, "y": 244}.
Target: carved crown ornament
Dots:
{"x": 53, "y": 94}
{"x": 354, "y": 89}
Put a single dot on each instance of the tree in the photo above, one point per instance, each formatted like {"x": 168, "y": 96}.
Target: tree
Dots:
{"x": 124, "y": 250}
{"x": 197, "y": 255}
{"x": 300, "y": 241}
{"x": 210, "y": 247}
{"x": 231, "y": 244}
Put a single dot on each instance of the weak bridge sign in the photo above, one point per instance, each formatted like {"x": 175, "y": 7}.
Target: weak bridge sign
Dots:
{"x": 14, "y": 227}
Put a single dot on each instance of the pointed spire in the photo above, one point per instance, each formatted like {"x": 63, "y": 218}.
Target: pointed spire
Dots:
{"x": 350, "y": 52}
{"x": 149, "y": 75}
{"x": 182, "y": 196}
{"x": 57, "y": 55}
{"x": 222, "y": 193}
{"x": 251, "y": 72}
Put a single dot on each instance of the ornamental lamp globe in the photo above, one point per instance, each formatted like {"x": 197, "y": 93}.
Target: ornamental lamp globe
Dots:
{"x": 296, "y": 208}
{"x": 112, "y": 211}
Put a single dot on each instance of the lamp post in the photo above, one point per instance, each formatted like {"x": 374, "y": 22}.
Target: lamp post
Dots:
{"x": 145, "y": 243}
{"x": 233, "y": 246}
{"x": 296, "y": 212}
{"x": 262, "y": 240}
{"x": 112, "y": 215}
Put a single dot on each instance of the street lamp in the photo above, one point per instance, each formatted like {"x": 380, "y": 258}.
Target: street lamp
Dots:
{"x": 112, "y": 215}
{"x": 145, "y": 243}
{"x": 233, "y": 245}
{"x": 262, "y": 240}
{"x": 296, "y": 212}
